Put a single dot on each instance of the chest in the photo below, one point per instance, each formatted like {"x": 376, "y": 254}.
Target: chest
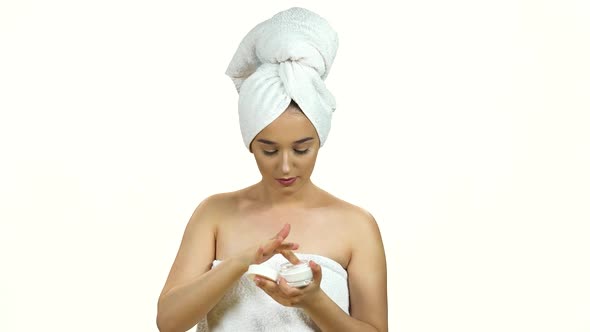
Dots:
{"x": 316, "y": 231}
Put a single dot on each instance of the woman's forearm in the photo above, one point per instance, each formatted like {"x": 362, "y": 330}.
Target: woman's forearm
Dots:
{"x": 183, "y": 306}
{"x": 328, "y": 316}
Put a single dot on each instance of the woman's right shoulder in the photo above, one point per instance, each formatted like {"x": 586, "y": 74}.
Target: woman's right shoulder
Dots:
{"x": 217, "y": 206}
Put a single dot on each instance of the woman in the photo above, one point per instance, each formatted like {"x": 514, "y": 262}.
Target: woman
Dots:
{"x": 285, "y": 111}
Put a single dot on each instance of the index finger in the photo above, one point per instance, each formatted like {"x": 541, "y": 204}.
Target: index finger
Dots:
{"x": 284, "y": 232}
{"x": 290, "y": 256}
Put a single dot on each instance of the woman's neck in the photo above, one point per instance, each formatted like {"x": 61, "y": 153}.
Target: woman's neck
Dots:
{"x": 278, "y": 198}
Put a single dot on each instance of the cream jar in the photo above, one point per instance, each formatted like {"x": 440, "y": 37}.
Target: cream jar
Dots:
{"x": 297, "y": 275}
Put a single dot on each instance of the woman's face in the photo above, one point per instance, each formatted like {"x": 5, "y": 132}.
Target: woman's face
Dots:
{"x": 286, "y": 150}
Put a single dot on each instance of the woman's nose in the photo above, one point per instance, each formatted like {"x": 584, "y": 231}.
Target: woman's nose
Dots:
{"x": 285, "y": 160}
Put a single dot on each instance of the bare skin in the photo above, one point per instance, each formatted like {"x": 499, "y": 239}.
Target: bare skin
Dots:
{"x": 299, "y": 217}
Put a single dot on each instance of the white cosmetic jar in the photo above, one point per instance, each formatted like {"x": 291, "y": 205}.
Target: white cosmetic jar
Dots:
{"x": 297, "y": 275}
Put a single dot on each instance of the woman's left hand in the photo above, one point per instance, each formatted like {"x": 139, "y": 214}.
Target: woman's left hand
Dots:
{"x": 292, "y": 296}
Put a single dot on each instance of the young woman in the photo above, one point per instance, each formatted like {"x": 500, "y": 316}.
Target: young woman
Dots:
{"x": 284, "y": 217}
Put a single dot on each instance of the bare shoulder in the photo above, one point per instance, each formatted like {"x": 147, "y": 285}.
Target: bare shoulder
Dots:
{"x": 197, "y": 247}
{"x": 355, "y": 217}
{"x": 212, "y": 208}
{"x": 356, "y": 226}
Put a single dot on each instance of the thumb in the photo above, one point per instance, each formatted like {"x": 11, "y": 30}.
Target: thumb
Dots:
{"x": 316, "y": 270}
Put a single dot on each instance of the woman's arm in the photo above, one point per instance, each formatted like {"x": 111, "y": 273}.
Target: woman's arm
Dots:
{"x": 367, "y": 280}
{"x": 193, "y": 288}
{"x": 184, "y": 305}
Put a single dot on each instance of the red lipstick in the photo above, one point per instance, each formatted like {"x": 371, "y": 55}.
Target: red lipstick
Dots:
{"x": 287, "y": 181}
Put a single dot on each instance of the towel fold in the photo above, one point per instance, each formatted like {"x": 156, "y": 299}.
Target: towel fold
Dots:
{"x": 284, "y": 58}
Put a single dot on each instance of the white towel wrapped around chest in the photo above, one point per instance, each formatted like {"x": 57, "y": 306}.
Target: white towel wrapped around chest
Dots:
{"x": 245, "y": 307}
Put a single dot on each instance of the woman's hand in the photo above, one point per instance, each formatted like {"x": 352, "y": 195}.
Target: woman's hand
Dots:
{"x": 292, "y": 296}
{"x": 264, "y": 251}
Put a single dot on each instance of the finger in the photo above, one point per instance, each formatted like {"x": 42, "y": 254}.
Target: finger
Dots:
{"x": 272, "y": 289}
{"x": 265, "y": 284}
{"x": 284, "y": 232}
{"x": 272, "y": 245}
{"x": 284, "y": 247}
{"x": 288, "y": 246}
{"x": 286, "y": 289}
{"x": 316, "y": 270}
{"x": 290, "y": 256}
{"x": 262, "y": 279}
{"x": 259, "y": 254}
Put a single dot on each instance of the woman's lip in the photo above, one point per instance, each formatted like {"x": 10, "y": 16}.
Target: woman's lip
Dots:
{"x": 287, "y": 181}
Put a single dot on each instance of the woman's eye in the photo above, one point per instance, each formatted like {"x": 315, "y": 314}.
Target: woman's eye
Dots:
{"x": 269, "y": 153}
{"x": 301, "y": 151}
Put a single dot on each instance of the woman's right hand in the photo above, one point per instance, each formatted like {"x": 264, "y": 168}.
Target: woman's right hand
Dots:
{"x": 264, "y": 251}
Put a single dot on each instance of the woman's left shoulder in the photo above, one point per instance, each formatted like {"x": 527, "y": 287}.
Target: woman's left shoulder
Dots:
{"x": 353, "y": 214}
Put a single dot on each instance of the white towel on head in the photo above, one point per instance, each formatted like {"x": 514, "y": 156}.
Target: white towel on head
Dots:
{"x": 284, "y": 58}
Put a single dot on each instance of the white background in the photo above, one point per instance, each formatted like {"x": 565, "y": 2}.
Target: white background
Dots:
{"x": 462, "y": 126}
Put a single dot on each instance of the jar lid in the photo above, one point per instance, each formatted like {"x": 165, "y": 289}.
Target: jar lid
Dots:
{"x": 262, "y": 270}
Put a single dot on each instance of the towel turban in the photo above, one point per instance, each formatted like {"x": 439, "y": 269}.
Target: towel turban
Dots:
{"x": 285, "y": 58}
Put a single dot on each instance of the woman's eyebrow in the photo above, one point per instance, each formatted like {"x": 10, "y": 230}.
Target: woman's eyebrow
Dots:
{"x": 265, "y": 141}
{"x": 303, "y": 140}
{"x": 299, "y": 141}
